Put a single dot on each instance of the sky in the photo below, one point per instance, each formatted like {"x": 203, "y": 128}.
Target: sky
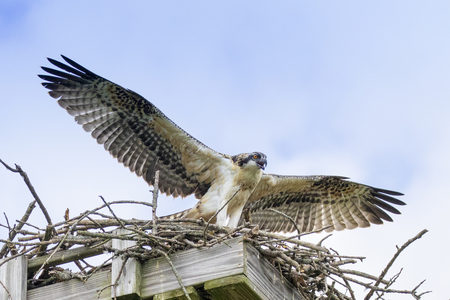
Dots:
{"x": 350, "y": 88}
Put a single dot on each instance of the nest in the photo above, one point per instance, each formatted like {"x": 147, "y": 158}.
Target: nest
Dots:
{"x": 315, "y": 270}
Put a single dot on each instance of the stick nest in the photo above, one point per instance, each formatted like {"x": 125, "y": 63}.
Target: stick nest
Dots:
{"x": 316, "y": 271}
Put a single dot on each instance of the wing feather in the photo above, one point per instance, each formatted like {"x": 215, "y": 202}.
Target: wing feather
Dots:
{"x": 315, "y": 202}
{"x": 133, "y": 130}
{"x": 346, "y": 211}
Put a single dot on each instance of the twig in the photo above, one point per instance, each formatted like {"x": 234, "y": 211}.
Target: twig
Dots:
{"x": 155, "y": 200}
{"x": 19, "y": 170}
{"x": 47, "y": 236}
{"x": 383, "y": 273}
{"x": 342, "y": 262}
{"x": 115, "y": 282}
{"x": 217, "y": 212}
{"x": 19, "y": 226}
{"x": 413, "y": 292}
{"x": 97, "y": 268}
{"x": 349, "y": 288}
{"x": 289, "y": 218}
{"x": 95, "y": 222}
{"x": 31, "y": 225}
{"x": 366, "y": 285}
{"x": 80, "y": 267}
{"x": 30, "y": 208}
{"x": 12, "y": 248}
{"x": 362, "y": 274}
{"x": 287, "y": 238}
{"x": 5, "y": 260}
{"x": 280, "y": 237}
{"x": 24, "y": 232}
{"x": 175, "y": 272}
{"x": 102, "y": 206}
{"x": 118, "y": 276}
{"x": 7, "y": 221}
{"x": 9, "y": 295}
{"x": 391, "y": 282}
{"x": 60, "y": 243}
{"x": 112, "y": 212}
{"x": 321, "y": 241}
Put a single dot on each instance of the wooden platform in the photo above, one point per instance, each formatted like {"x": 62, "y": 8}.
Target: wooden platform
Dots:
{"x": 230, "y": 270}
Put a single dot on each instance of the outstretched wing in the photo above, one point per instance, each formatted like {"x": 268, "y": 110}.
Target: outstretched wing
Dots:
{"x": 316, "y": 202}
{"x": 133, "y": 130}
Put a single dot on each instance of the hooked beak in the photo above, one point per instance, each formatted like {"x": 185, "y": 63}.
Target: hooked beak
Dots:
{"x": 262, "y": 163}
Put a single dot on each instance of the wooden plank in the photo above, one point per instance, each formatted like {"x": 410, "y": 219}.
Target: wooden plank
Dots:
{"x": 236, "y": 287}
{"x": 266, "y": 280}
{"x": 65, "y": 256}
{"x": 75, "y": 289}
{"x": 179, "y": 295}
{"x": 13, "y": 275}
{"x": 235, "y": 265}
{"x": 129, "y": 283}
{"x": 194, "y": 266}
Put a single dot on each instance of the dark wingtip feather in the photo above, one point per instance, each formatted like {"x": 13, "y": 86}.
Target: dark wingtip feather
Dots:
{"x": 42, "y": 77}
{"x": 380, "y": 214}
{"x": 53, "y": 71}
{"x": 385, "y": 206}
{"x": 49, "y": 85}
{"x": 53, "y": 61}
{"x": 388, "y": 198}
{"x": 66, "y": 67}
{"x": 393, "y": 193}
{"x": 78, "y": 66}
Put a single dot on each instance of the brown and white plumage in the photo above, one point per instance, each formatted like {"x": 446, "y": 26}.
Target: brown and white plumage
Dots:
{"x": 133, "y": 130}
{"x": 317, "y": 202}
{"x": 141, "y": 137}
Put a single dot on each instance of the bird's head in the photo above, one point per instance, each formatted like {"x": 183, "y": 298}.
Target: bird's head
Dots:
{"x": 256, "y": 159}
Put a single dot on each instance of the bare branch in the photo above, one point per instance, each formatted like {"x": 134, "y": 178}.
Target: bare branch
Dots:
{"x": 7, "y": 221}
{"x": 155, "y": 199}
{"x": 290, "y": 219}
{"x": 116, "y": 281}
{"x": 30, "y": 208}
{"x": 112, "y": 212}
{"x": 9, "y": 295}
{"x": 19, "y": 226}
{"x": 175, "y": 272}
{"x": 384, "y": 272}
{"x": 24, "y": 175}
{"x": 225, "y": 205}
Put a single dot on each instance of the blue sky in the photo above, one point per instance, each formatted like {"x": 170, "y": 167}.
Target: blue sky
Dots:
{"x": 335, "y": 88}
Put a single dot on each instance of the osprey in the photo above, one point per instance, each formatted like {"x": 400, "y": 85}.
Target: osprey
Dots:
{"x": 141, "y": 137}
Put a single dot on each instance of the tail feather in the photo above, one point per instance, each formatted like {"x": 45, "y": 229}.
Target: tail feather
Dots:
{"x": 179, "y": 215}
{"x": 191, "y": 213}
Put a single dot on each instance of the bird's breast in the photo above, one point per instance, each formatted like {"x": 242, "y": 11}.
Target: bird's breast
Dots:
{"x": 248, "y": 179}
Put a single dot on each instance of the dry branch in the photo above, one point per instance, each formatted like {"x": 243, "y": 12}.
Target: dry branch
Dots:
{"x": 155, "y": 200}
{"x": 4, "y": 287}
{"x": 389, "y": 265}
{"x": 175, "y": 272}
{"x": 30, "y": 208}
{"x": 290, "y": 220}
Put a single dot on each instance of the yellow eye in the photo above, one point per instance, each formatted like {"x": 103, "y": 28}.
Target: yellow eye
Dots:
{"x": 255, "y": 156}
